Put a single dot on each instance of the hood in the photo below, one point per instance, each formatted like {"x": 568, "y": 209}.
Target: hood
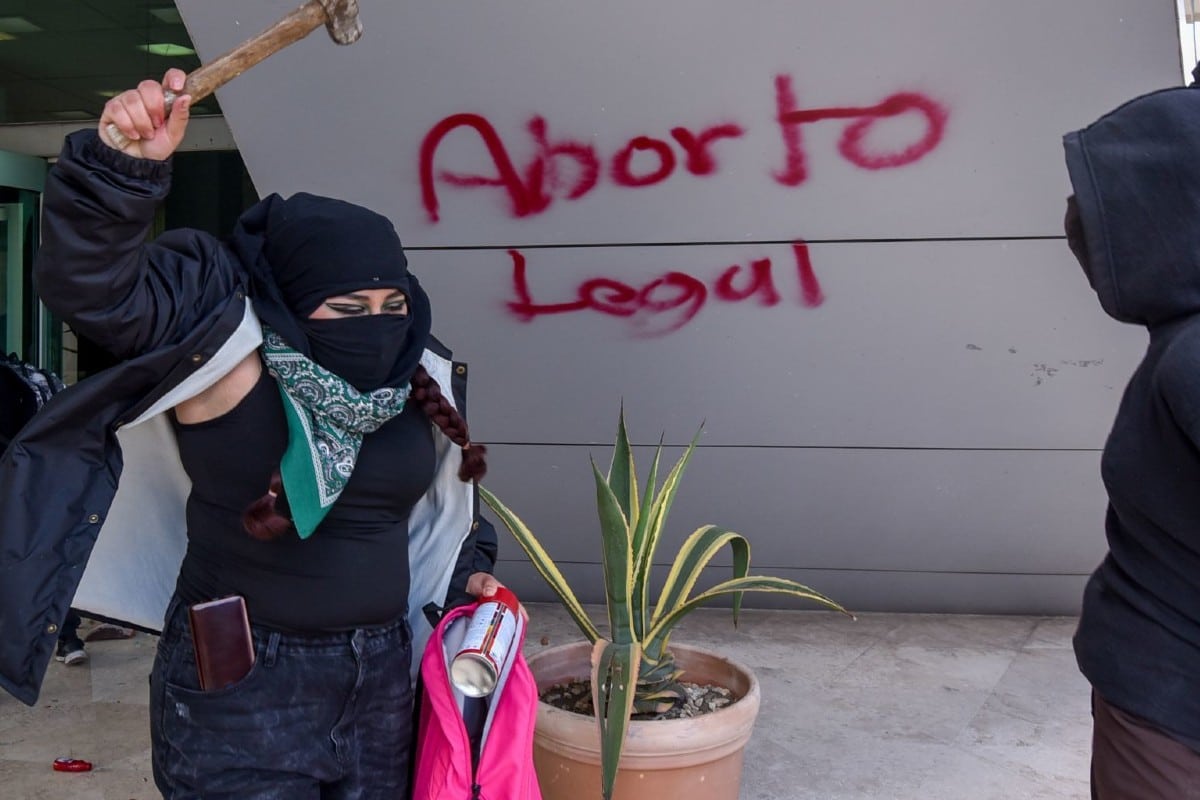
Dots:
{"x": 305, "y": 248}
{"x": 1136, "y": 177}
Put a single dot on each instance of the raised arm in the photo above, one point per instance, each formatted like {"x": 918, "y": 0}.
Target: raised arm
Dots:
{"x": 95, "y": 269}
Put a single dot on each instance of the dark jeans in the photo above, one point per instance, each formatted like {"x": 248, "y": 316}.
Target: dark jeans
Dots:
{"x": 1133, "y": 760}
{"x": 319, "y": 717}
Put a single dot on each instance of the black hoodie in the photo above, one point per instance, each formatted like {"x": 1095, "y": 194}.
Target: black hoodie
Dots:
{"x": 1136, "y": 176}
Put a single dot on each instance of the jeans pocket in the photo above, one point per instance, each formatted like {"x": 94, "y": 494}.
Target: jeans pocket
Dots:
{"x": 181, "y": 677}
{"x": 196, "y": 735}
{"x": 205, "y": 733}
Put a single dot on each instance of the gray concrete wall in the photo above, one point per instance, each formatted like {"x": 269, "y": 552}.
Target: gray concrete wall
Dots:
{"x": 906, "y": 413}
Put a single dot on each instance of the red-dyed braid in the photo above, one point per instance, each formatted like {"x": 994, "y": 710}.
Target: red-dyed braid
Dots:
{"x": 427, "y": 392}
{"x": 262, "y": 519}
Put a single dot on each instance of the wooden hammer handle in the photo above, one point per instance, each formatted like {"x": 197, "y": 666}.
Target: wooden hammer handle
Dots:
{"x": 292, "y": 28}
{"x": 212, "y": 76}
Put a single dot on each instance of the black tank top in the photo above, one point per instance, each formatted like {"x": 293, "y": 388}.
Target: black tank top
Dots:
{"x": 353, "y": 570}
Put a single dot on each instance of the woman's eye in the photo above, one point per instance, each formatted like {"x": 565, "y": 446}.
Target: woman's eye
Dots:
{"x": 396, "y": 308}
{"x": 344, "y": 310}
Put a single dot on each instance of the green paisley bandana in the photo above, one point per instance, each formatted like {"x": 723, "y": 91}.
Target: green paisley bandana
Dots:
{"x": 327, "y": 418}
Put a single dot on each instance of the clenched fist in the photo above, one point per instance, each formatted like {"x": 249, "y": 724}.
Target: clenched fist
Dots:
{"x": 141, "y": 115}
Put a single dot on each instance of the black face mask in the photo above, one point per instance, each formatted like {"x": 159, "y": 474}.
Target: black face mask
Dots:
{"x": 367, "y": 351}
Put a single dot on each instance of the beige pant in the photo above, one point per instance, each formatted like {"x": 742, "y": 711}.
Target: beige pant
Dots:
{"x": 1133, "y": 760}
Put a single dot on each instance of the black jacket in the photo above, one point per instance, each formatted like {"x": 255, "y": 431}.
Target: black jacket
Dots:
{"x": 165, "y": 308}
{"x": 1136, "y": 177}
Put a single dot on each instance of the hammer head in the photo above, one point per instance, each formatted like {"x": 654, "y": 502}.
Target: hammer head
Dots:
{"x": 341, "y": 18}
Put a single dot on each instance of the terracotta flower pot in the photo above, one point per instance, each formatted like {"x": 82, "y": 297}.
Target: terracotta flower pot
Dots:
{"x": 698, "y": 758}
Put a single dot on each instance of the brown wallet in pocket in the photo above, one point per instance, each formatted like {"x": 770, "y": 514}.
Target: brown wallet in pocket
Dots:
{"x": 222, "y": 640}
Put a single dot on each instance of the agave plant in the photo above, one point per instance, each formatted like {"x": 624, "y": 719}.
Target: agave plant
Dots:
{"x": 633, "y": 671}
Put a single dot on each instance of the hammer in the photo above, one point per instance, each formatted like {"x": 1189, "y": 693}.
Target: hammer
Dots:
{"x": 340, "y": 17}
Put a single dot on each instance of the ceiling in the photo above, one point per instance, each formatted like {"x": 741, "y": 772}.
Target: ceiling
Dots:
{"x": 61, "y": 59}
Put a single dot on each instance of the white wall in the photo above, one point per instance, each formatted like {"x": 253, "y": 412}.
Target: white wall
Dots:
{"x": 907, "y": 411}
{"x": 1189, "y": 37}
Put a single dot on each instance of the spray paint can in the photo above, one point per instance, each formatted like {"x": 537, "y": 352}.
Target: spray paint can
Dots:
{"x": 491, "y": 634}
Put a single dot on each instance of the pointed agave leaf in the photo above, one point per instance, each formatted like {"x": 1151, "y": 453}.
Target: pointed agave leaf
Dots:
{"x": 617, "y": 558}
{"x": 656, "y": 512}
{"x": 614, "y": 681}
{"x": 694, "y": 555}
{"x": 641, "y": 553}
{"x": 751, "y": 583}
{"x": 542, "y": 563}
{"x": 622, "y": 474}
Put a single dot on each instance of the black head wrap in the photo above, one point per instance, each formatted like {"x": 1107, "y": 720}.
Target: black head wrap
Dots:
{"x": 306, "y": 248}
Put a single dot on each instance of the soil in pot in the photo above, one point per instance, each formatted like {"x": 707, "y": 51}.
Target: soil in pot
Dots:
{"x": 576, "y": 697}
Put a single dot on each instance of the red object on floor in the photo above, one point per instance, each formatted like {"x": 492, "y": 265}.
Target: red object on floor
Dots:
{"x": 72, "y": 765}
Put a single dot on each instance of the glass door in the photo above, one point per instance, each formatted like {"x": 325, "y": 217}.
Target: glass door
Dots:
{"x": 10, "y": 291}
{"x": 22, "y": 319}
{"x": 19, "y": 309}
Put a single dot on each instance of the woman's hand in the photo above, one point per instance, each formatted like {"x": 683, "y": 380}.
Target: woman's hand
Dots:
{"x": 141, "y": 115}
{"x": 483, "y": 585}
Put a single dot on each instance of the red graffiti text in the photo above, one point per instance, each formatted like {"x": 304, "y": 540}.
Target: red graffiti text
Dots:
{"x": 852, "y": 145}
{"x": 569, "y": 169}
{"x": 671, "y": 300}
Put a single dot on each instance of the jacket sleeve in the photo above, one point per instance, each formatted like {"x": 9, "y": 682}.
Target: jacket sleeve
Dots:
{"x": 97, "y": 271}
{"x": 478, "y": 554}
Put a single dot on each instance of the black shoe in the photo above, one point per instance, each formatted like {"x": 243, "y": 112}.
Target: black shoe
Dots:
{"x": 71, "y": 652}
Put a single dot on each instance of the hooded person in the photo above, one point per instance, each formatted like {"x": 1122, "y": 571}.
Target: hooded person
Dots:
{"x": 1132, "y": 225}
{"x": 273, "y": 429}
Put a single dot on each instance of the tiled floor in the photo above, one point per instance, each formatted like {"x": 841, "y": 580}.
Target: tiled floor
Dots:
{"x": 890, "y": 706}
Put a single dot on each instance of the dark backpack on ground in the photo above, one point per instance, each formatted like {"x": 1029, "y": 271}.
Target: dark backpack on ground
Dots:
{"x": 24, "y": 389}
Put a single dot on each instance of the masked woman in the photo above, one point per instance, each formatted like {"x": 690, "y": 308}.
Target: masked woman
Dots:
{"x": 282, "y": 427}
